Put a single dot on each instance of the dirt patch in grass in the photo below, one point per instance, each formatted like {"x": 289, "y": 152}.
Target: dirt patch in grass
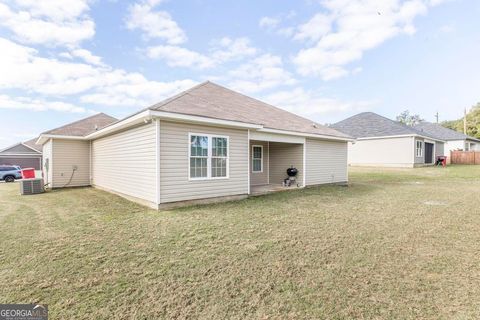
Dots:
{"x": 375, "y": 249}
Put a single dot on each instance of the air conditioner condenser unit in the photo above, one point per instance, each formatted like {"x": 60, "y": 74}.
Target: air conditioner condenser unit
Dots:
{"x": 31, "y": 186}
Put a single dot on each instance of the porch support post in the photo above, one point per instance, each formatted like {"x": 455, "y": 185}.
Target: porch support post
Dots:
{"x": 304, "y": 162}
{"x": 248, "y": 160}
{"x": 157, "y": 162}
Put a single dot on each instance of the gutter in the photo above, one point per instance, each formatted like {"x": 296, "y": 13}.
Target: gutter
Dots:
{"x": 401, "y": 136}
{"x": 148, "y": 115}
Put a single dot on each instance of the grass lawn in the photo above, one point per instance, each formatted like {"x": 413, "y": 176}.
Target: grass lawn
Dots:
{"x": 398, "y": 243}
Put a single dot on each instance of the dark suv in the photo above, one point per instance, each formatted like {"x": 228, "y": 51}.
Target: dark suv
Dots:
{"x": 10, "y": 173}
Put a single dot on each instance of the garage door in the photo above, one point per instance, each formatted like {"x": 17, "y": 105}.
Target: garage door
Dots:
{"x": 22, "y": 162}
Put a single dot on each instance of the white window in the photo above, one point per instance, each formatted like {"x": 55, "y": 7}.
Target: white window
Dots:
{"x": 257, "y": 158}
{"x": 208, "y": 156}
{"x": 467, "y": 146}
{"x": 419, "y": 148}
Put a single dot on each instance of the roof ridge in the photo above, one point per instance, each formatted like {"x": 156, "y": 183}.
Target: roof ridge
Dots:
{"x": 268, "y": 104}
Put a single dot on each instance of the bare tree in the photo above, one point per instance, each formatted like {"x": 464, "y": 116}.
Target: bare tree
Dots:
{"x": 409, "y": 119}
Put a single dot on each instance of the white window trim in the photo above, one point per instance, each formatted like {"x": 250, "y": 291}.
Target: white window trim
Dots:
{"x": 209, "y": 156}
{"x": 417, "y": 148}
{"x": 261, "y": 159}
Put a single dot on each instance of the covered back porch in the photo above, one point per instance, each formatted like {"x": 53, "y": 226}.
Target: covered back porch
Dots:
{"x": 270, "y": 157}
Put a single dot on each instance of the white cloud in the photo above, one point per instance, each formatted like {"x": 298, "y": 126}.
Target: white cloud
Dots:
{"x": 223, "y": 50}
{"x": 268, "y": 22}
{"x": 134, "y": 90}
{"x": 48, "y": 22}
{"x": 25, "y": 103}
{"x": 23, "y": 68}
{"x": 272, "y": 24}
{"x": 155, "y": 24}
{"x": 263, "y": 72}
{"x": 227, "y": 49}
{"x": 348, "y": 29}
{"x": 315, "y": 28}
{"x": 179, "y": 57}
{"x": 312, "y": 105}
{"x": 83, "y": 54}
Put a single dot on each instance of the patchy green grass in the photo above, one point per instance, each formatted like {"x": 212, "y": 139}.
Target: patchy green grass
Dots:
{"x": 399, "y": 244}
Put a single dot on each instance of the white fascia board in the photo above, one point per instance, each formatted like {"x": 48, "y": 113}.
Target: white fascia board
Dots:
{"x": 307, "y": 135}
{"x": 429, "y": 138}
{"x": 27, "y": 155}
{"x": 45, "y": 137}
{"x": 150, "y": 114}
{"x": 122, "y": 124}
{"x": 179, "y": 117}
{"x": 399, "y": 136}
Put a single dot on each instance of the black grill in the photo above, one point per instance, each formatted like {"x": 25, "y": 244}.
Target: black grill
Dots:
{"x": 292, "y": 172}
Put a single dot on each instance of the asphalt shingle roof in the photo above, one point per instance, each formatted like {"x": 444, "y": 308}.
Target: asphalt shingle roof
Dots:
{"x": 369, "y": 124}
{"x": 217, "y": 102}
{"x": 441, "y": 132}
{"x": 84, "y": 126}
{"x": 33, "y": 145}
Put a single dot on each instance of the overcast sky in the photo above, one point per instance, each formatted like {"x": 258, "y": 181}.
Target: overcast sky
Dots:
{"x": 64, "y": 60}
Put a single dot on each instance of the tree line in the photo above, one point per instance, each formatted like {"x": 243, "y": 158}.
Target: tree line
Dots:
{"x": 473, "y": 121}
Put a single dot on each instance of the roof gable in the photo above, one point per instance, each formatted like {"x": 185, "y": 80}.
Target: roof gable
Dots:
{"x": 217, "y": 102}
{"x": 441, "y": 132}
{"x": 19, "y": 148}
{"x": 31, "y": 144}
{"x": 84, "y": 126}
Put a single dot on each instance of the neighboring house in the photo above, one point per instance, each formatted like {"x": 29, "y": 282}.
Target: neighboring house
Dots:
{"x": 454, "y": 140}
{"x": 207, "y": 143}
{"x": 384, "y": 142}
{"x": 24, "y": 154}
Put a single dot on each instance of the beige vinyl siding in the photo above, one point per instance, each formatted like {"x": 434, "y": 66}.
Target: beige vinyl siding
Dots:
{"x": 326, "y": 162}
{"x": 282, "y": 157}
{"x": 389, "y": 152}
{"x": 259, "y": 178}
{"x": 66, "y": 154}
{"x": 174, "y": 164}
{"x": 126, "y": 162}
{"x": 47, "y": 157}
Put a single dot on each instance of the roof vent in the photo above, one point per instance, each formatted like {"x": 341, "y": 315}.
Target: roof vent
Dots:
{"x": 96, "y": 127}
{"x": 314, "y": 125}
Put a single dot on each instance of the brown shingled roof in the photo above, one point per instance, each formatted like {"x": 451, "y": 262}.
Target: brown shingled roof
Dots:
{"x": 214, "y": 101}
{"x": 84, "y": 126}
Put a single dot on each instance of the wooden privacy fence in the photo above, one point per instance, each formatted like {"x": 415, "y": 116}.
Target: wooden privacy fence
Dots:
{"x": 465, "y": 157}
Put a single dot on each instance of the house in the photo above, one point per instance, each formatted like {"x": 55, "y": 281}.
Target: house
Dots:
{"x": 387, "y": 143}
{"x": 24, "y": 154}
{"x": 454, "y": 140}
{"x": 205, "y": 144}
